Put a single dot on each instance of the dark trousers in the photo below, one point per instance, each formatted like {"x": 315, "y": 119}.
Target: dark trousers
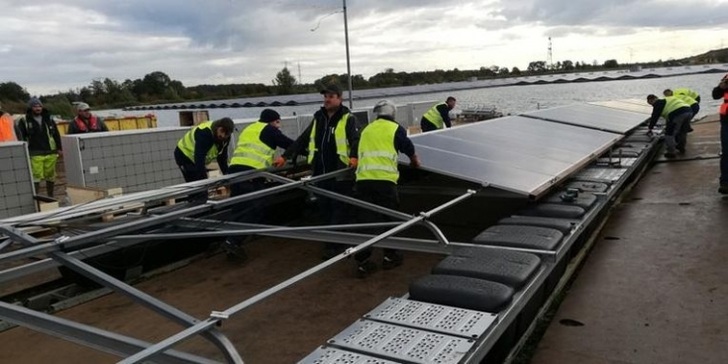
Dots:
{"x": 426, "y": 125}
{"x": 676, "y": 131}
{"x": 252, "y": 211}
{"x": 724, "y": 149}
{"x": 335, "y": 212}
{"x": 382, "y": 193}
{"x": 190, "y": 174}
{"x": 696, "y": 108}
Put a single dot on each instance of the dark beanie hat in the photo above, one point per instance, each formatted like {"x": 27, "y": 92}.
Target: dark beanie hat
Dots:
{"x": 269, "y": 115}
{"x": 34, "y": 101}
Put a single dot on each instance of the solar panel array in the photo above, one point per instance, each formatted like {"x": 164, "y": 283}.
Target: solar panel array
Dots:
{"x": 592, "y": 116}
{"x": 137, "y": 160}
{"x": 517, "y": 154}
{"x": 450, "y": 86}
{"x": 16, "y": 180}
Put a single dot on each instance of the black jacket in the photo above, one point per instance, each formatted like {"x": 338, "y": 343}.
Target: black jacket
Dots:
{"x": 325, "y": 159}
{"x": 39, "y": 136}
{"x": 718, "y": 93}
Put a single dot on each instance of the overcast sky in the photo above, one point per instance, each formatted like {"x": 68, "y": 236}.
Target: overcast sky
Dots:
{"x": 55, "y": 45}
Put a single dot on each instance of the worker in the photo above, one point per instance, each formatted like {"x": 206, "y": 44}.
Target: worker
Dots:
{"x": 331, "y": 139}
{"x": 201, "y": 145}
{"x": 377, "y": 174}
{"x": 677, "y": 114}
{"x": 255, "y": 150}
{"x": 686, "y": 95}
{"x": 686, "y": 91}
{"x": 85, "y": 121}
{"x": 438, "y": 117}
{"x": 721, "y": 91}
{"x": 7, "y": 126}
{"x": 44, "y": 144}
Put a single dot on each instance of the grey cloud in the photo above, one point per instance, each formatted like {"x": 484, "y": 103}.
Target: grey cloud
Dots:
{"x": 642, "y": 13}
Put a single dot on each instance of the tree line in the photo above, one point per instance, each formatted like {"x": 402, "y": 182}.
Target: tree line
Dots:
{"x": 157, "y": 87}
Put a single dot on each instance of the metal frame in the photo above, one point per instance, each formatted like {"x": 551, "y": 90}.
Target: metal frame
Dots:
{"x": 66, "y": 250}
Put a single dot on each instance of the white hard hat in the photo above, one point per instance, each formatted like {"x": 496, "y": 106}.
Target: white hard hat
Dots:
{"x": 385, "y": 108}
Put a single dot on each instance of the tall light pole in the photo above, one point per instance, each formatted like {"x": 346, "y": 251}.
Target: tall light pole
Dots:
{"x": 348, "y": 63}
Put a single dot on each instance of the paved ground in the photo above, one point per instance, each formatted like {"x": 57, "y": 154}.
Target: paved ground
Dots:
{"x": 655, "y": 287}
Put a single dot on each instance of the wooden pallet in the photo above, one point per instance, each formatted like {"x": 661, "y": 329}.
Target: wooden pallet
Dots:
{"x": 136, "y": 207}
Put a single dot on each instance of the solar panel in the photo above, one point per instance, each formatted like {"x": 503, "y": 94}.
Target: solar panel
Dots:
{"x": 518, "y": 154}
{"x": 638, "y": 106}
{"x": 592, "y": 116}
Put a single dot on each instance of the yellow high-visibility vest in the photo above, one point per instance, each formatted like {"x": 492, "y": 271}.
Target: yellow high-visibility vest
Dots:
{"x": 187, "y": 143}
{"x": 250, "y": 151}
{"x": 434, "y": 117}
{"x": 342, "y": 142}
{"x": 672, "y": 103}
{"x": 377, "y": 155}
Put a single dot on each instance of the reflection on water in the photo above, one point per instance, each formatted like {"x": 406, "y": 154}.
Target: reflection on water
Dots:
{"x": 511, "y": 99}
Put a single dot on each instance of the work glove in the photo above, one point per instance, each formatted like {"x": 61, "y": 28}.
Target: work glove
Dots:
{"x": 415, "y": 161}
{"x": 279, "y": 162}
{"x": 353, "y": 162}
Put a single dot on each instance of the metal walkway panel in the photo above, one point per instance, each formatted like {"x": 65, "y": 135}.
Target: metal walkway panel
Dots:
{"x": 432, "y": 317}
{"x": 616, "y": 161}
{"x": 592, "y": 116}
{"x": 609, "y": 175}
{"x": 402, "y": 343}
{"x": 328, "y": 355}
{"x": 517, "y": 154}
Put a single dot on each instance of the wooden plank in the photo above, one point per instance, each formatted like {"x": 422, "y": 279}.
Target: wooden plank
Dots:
{"x": 79, "y": 195}
{"x": 48, "y": 206}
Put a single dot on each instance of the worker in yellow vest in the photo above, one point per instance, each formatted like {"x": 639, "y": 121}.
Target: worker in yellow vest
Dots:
{"x": 721, "y": 92}
{"x": 377, "y": 174}
{"x": 689, "y": 96}
{"x": 438, "y": 116}
{"x": 677, "y": 114}
{"x": 201, "y": 145}
{"x": 255, "y": 150}
{"x": 331, "y": 141}
{"x": 39, "y": 130}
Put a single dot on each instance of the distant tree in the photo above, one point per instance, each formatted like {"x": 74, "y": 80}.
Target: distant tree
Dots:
{"x": 485, "y": 72}
{"x": 328, "y": 80}
{"x": 155, "y": 83}
{"x": 503, "y": 71}
{"x": 11, "y": 91}
{"x": 611, "y": 63}
{"x": 537, "y": 67}
{"x": 567, "y": 65}
{"x": 515, "y": 71}
{"x": 284, "y": 82}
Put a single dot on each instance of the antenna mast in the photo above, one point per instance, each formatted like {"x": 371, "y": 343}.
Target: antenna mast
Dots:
{"x": 550, "y": 55}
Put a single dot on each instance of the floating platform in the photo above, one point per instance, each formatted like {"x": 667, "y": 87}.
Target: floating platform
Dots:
{"x": 489, "y": 230}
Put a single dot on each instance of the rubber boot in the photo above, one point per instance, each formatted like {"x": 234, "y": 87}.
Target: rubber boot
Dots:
{"x": 49, "y": 187}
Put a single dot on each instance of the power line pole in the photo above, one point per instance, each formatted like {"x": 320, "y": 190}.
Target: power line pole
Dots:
{"x": 348, "y": 63}
{"x": 299, "y": 74}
